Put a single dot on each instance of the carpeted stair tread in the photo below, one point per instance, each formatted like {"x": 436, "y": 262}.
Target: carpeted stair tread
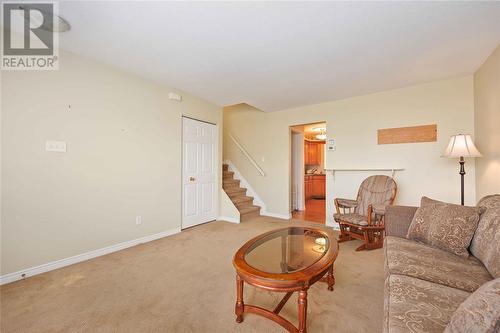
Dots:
{"x": 238, "y": 196}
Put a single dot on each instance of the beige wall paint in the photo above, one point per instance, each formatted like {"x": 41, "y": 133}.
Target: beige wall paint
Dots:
{"x": 487, "y": 125}
{"x": 227, "y": 209}
{"x": 353, "y": 123}
{"x": 124, "y": 159}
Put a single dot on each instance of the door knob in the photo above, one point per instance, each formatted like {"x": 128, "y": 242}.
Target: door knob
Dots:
{"x": 192, "y": 179}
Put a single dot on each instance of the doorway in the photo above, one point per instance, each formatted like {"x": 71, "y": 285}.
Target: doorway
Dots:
{"x": 199, "y": 172}
{"x": 308, "y": 176}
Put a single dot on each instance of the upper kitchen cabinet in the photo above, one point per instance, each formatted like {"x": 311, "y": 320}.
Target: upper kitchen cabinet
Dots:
{"x": 313, "y": 151}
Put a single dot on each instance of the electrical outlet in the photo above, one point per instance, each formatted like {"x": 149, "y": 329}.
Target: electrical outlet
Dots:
{"x": 175, "y": 97}
{"x": 138, "y": 220}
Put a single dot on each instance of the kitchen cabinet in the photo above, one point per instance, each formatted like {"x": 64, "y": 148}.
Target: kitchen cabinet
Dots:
{"x": 313, "y": 151}
{"x": 318, "y": 186}
{"x": 314, "y": 186}
{"x": 306, "y": 152}
{"x": 308, "y": 190}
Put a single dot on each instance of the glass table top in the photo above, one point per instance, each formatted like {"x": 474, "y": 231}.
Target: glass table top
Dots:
{"x": 287, "y": 250}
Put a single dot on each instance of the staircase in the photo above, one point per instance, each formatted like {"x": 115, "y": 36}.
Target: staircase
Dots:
{"x": 238, "y": 195}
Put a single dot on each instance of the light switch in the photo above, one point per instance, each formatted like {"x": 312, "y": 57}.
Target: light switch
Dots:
{"x": 55, "y": 146}
{"x": 331, "y": 145}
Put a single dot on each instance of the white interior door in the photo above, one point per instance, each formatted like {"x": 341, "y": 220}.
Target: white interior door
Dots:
{"x": 199, "y": 172}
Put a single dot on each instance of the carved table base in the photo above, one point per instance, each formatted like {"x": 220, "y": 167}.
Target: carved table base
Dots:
{"x": 241, "y": 307}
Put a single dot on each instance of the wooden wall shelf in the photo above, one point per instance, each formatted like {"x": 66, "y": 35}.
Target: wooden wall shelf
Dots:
{"x": 413, "y": 134}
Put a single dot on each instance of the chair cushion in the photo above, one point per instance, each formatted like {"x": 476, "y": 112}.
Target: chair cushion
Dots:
{"x": 378, "y": 189}
{"x": 480, "y": 312}
{"x": 347, "y": 203}
{"x": 486, "y": 242}
{"x": 407, "y": 257}
{"x": 414, "y": 305}
{"x": 351, "y": 218}
{"x": 446, "y": 226}
{"x": 379, "y": 209}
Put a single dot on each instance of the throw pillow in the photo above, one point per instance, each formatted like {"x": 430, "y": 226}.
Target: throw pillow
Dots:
{"x": 486, "y": 242}
{"x": 446, "y": 226}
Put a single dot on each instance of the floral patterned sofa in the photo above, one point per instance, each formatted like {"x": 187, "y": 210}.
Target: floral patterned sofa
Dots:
{"x": 425, "y": 285}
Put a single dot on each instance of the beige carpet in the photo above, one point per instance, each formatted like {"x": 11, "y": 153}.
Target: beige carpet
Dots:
{"x": 185, "y": 283}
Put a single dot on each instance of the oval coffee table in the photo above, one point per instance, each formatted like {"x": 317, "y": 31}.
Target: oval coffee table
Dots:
{"x": 285, "y": 260}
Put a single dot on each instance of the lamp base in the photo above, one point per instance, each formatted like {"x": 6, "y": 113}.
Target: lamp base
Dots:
{"x": 462, "y": 174}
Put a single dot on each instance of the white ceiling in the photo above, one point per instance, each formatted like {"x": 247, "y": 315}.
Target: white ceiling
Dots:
{"x": 277, "y": 55}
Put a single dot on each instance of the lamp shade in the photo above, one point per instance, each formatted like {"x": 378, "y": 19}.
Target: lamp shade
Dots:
{"x": 461, "y": 145}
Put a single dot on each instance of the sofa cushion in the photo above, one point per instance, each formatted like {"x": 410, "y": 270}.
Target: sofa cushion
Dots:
{"x": 480, "y": 312}
{"x": 485, "y": 244}
{"x": 446, "y": 226}
{"x": 414, "y": 305}
{"x": 352, "y": 218}
{"x": 407, "y": 257}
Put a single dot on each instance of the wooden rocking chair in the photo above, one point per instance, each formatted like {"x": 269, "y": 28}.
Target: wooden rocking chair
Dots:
{"x": 363, "y": 218}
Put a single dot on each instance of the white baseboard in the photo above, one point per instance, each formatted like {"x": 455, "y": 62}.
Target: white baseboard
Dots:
{"x": 278, "y": 216}
{"x": 25, "y": 273}
{"x": 228, "y": 219}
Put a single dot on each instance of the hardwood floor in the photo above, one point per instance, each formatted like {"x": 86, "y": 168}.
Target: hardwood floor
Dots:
{"x": 315, "y": 211}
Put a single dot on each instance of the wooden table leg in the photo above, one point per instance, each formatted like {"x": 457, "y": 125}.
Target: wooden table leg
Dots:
{"x": 239, "y": 307}
{"x": 302, "y": 311}
{"x": 330, "y": 279}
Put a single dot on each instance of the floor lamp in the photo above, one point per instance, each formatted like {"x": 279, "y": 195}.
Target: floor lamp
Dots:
{"x": 461, "y": 146}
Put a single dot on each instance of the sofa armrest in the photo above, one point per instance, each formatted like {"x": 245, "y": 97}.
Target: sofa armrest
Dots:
{"x": 398, "y": 220}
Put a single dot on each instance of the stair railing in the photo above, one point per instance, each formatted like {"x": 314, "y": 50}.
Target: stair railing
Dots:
{"x": 247, "y": 155}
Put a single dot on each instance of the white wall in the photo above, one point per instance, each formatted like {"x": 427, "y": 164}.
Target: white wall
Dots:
{"x": 487, "y": 123}
{"x": 124, "y": 159}
{"x": 353, "y": 122}
{"x": 228, "y": 211}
